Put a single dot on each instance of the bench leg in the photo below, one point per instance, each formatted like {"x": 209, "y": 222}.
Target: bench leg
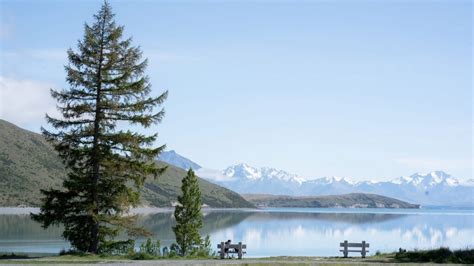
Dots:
{"x": 240, "y": 251}
{"x": 363, "y": 249}
{"x": 346, "y": 246}
{"x": 222, "y": 251}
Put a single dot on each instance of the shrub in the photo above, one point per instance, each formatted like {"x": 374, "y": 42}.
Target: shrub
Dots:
{"x": 117, "y": 247}
{"x": 441, "y": 255}
{"x": 74, "y": 252}
{"x": 148, "y": 250}
{"x": 174, "y": 250}
{"x": 205, "y": 249}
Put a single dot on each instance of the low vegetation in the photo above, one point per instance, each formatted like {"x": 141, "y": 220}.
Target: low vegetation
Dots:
{"x": 125, "y": 250}
{"x": 150, "y": 251}
{"x": 441, "y": 255}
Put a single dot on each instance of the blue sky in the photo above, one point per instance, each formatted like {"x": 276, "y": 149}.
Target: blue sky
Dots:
{"x": 364, "y": 89}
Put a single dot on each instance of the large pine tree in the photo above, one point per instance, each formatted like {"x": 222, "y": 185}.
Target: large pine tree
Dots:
{"x": 188, "y": 215}
{"x": 106, "y": 164}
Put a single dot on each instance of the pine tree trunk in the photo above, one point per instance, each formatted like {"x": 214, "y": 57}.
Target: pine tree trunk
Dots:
{"x": 95, "y": 176}
{"x": 94, "y": 247}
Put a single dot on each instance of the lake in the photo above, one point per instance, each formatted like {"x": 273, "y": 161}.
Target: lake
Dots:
{"x": 282, "y": 231}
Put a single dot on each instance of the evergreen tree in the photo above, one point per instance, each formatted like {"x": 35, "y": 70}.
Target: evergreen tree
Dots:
{"x": 188, "y": 215}
{"x": 106, "y": 165}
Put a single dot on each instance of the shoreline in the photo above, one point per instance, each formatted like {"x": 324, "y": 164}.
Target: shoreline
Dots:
{"x": 133, "y": 211}
{"x": 145, "y": 210}
{"x": 386, "y": 259}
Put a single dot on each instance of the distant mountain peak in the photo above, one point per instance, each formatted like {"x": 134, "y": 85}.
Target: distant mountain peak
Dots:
{"x": 173, "y": 158}
{"x": 432, "y": 188}
{"x": 430, "y": 179}
{"x": 332, "y": 180}
{"x": 246, "y": 171}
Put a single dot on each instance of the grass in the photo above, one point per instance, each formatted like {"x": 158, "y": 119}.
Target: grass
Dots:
{"x": 441, "y": 255}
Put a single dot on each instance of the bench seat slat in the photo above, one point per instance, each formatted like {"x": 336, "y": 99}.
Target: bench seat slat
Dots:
{"x": 354, "y": 245}
{"x": 233, "y": 246}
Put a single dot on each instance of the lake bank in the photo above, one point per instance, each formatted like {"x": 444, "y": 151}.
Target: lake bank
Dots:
{"x": 150, "y": 210}
{"x": 385, "y": 259}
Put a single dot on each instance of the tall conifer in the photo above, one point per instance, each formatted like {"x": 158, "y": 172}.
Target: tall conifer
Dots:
{"x": 107, "y": 165}
{"x": 188, "y": 215}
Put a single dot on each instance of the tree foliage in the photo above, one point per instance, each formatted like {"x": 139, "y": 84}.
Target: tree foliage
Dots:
{"x": 188, "y": 215}
{"x": 106, "y": 164}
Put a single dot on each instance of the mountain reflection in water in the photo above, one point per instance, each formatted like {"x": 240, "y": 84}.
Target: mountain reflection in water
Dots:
{"x": 282, "y": 232}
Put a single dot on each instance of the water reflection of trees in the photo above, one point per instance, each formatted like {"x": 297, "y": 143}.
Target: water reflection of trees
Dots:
{"x": 21, "y": 227}
{"x": 410, "y": 226}
{"x": 160, "y": 224}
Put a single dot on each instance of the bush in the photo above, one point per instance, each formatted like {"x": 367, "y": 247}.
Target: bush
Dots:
{"x": 205, "y": 249}
{"x": 441, "y": 255}
{"x": 115, "y": 248}
{"x": 12, "y": 256}
{"x": 465, "y": 256}
{"x": 74, "y": 252}
{"x": 148, "y": 250}
{"x": 174, "y": 250}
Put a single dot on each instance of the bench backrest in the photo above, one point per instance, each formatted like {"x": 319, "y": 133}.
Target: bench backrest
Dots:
{"x": 244, "y": 246}
{"x": 353, "y": 245}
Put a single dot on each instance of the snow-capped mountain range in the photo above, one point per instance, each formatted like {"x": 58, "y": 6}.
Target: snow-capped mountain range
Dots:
{"x": 264, "y": 173}
{"x": 433, "y": 188}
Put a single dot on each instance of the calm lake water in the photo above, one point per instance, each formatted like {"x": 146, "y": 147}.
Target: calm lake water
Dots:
{"x": 275, "y": 232}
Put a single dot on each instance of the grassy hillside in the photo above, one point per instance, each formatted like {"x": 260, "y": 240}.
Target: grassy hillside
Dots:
{"x": 353, "y": 200}
{"x": 28, "y": 163}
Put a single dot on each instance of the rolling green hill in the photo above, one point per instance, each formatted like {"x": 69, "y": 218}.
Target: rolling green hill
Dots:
{"x": 28, "y": 163}
{"x": 353, "y": 200}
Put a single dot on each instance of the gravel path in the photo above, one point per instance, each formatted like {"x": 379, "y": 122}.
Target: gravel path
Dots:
{"x": 315, "y": 261}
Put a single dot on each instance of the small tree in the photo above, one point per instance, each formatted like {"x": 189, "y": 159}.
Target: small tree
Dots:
{"x": 188, "y": 215}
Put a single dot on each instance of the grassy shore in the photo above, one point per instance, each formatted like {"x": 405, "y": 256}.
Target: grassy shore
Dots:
{"x": 427, "y": 257}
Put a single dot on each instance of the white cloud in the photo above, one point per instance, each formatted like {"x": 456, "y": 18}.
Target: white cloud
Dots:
{"x": 59, "y": 55}
{"x": 211, "y": 174}
{"x": 25, "y": 102}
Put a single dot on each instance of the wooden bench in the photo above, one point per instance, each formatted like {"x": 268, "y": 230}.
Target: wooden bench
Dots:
{"x": 232, "y": 248}
{"x": 360, "y": 248}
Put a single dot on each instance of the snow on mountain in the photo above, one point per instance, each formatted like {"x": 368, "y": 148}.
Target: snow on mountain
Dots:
{"x": 245, "y": 171}
{"x": 427, "y": 180}
{"x": 434, "y": 188}
{"x": 331, "y": 180}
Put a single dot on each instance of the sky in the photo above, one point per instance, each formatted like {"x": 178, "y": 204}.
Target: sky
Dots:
{"x": 370, "y": 90}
